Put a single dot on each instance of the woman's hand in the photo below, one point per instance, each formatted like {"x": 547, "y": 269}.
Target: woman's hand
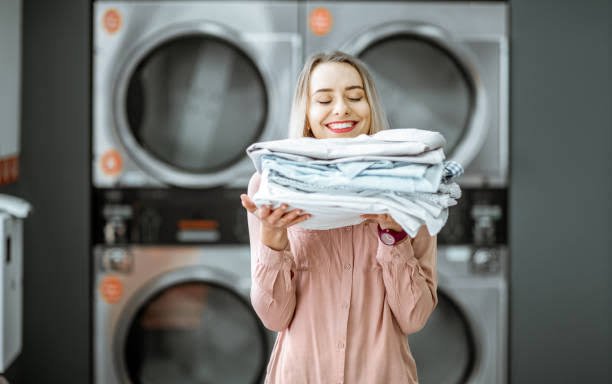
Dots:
{"x": 274, "y": 221}
{"x": 384, "y": 220}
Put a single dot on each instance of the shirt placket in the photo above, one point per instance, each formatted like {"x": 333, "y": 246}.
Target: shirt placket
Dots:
{"x": 345, "y": 304}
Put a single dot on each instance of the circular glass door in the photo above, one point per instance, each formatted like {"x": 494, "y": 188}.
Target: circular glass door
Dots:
{"x": 444, "y": 349}
{"x": 427, "y": 80}
{"x": 195, "y": 332}
{"x": 189, "y": 104}
{"x": 421, "y": 86}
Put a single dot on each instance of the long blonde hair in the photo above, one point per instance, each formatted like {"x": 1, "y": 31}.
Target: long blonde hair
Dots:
{"x": 298, "y": 123}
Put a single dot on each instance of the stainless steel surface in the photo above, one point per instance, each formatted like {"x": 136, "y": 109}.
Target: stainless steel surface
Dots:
{"x": 11, "y": 288}
{"x": 483, "y": 297}
{"x": 265, "y": 32}
{"x": 156, "y": 268}
{"x": 117, "y": 260}
{"x": 472, "y": 40}
{"x": 476, "y": 131}
{"x": 475, "y": 35}
{"x": 150, "y": 163}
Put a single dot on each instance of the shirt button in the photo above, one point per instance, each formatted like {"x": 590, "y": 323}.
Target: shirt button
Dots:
{"x": 340, "y": 345}
{"x": 345, "y": 305}
{"x": 347, "y": 266}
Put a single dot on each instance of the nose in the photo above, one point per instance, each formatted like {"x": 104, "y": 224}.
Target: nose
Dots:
{"x": 341, "y": 107}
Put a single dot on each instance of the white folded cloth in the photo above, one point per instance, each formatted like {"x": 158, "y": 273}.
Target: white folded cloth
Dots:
{"x": 392, "y": 144}
{"x": 338, "y": 210}
{"x": 398, "y": 172}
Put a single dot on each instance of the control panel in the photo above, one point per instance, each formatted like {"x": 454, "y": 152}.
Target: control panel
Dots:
{"x": 169, "y": 216}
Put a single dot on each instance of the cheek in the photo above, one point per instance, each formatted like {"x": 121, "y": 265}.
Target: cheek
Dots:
{"x": 315, "y": 115}
{"x": 364, "y": 111}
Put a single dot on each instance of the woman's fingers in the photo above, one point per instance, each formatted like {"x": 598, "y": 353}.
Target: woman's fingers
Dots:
{"x": 264, "y": 212}
{"x": 384, "y": 220}
{"x": 290, "y": 216}
{"x": 277, "y": 217}
{"x": 299, "y": 219}
{"x": 276, "y": 214}
{"x": 281, "y": 218}
{"x": 370, "y": 217}
{"x": 247, "y": 203}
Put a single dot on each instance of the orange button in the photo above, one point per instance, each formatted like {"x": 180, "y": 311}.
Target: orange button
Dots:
{"x": 111, "y": 162}
{"x": 112, "y": 21}
{"x": 320, "y": 21}
{"x": 111, "y": 289}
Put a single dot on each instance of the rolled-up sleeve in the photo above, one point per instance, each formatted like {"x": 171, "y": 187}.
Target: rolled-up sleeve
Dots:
{"x": 272, "y": 276}
{"x": 409, "y": 276}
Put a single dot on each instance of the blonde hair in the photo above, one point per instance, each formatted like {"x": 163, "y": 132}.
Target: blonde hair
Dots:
{"x": 298, "y": 122}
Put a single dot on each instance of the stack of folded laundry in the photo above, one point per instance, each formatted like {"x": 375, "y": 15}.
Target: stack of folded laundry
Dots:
{"x": 401, "y": 172}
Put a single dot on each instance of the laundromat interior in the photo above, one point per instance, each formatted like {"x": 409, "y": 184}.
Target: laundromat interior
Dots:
{"x": 104, "y": 210}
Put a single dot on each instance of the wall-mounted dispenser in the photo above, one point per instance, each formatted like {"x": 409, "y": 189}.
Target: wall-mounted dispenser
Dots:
{"x": 12, "y": 212}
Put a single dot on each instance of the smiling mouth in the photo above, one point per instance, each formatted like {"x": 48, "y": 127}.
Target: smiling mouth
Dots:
{"x": 341, "y": 126}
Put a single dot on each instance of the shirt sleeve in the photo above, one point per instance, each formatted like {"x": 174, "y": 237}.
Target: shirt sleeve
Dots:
{"x": 272, "y": 276}
{"x": 409, "y": 276}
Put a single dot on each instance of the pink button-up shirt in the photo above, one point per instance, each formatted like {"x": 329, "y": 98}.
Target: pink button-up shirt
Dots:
{"x": 342, "y": 302}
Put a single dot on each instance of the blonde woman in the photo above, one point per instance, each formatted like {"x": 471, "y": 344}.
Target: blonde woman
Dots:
{"x": 342, "y": 300}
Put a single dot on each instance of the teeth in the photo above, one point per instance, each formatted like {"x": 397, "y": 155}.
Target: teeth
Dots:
{"x": 340, "y": 125}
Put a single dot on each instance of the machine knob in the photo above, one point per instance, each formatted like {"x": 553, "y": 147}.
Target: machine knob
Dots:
{"x": 115, "y": 231}
{"x": 485, "y": 260}
{"x": 117, "y": 260}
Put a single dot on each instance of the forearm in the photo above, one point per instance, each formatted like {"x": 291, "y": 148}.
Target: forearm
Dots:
{"x": 272, "y": 271}
{"x": 273, "y": 288}
{"x": 410, "y": 280}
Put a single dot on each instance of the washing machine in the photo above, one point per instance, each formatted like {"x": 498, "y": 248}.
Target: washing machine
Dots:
{"x": 180, "y": 89}
{"x": 171, "y": 290}
{"x": 465, "y": 341}
{"x": 443, "y": 66}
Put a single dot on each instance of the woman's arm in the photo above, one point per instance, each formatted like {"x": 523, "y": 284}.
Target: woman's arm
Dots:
{"x": 409, "y": 276}
{"x": 272, "y": 270}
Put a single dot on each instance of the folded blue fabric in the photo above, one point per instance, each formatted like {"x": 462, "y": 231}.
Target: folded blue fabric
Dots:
{"x": 402, "y": 173}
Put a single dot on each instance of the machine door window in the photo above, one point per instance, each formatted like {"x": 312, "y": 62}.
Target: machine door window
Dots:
{"x": 195, "y": 103}
{"x": 444, "y": 349}
{"x": 421, "y": 85}
{"x": 194, "y": 332}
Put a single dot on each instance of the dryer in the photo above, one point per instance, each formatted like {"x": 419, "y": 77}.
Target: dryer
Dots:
{"x": 171, "y": 289}
{"x": 176, "y": 315}
{"x": 441, "y": 66}
{"x": 180, "y": 89}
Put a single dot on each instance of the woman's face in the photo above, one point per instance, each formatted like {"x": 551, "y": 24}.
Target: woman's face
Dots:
{"x": 337, "y": 105}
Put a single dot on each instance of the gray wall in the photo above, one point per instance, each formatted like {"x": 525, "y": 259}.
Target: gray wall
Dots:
{"x": 560, "y": 207}
{"x": 560, "y": 197}
{"x": 55, "y": 178}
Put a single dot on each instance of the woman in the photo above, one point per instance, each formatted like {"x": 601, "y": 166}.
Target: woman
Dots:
{"x": 341, "y": 299}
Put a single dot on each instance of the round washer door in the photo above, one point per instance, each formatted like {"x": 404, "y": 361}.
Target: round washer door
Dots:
{"x": 188, "y": 102}
{"x": 426, "y": 81}
{"x": 444, "y": 350}
{"x": 190, "y": 326}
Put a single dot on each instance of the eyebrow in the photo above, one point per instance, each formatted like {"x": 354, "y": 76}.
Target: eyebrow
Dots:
{"x": 346, "y": 89}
